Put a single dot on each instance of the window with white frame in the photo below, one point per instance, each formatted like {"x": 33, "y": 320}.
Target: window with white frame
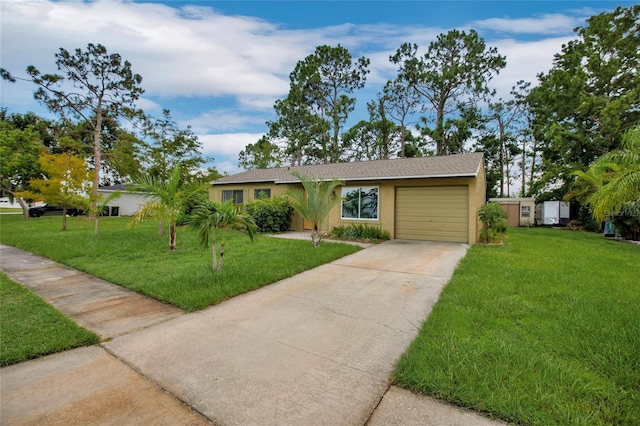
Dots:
{"x": 360, "y": 202}
{"x": 525, "y": 211}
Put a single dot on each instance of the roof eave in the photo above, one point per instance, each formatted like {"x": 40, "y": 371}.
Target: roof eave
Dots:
{"x": 392, "y": 177}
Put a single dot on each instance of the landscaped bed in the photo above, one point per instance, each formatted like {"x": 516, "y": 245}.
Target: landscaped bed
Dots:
{"x": 140, "y": 260}
{"x": 542, "y": 330}
{"x": 29, "y": 327}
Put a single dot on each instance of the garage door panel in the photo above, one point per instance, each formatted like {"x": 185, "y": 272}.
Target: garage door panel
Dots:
{"x": 432, "y": 213}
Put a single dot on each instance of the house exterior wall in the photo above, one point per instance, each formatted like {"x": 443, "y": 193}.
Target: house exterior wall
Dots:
{"x": 128, "y": 203}
{"x": 386, "y": 200}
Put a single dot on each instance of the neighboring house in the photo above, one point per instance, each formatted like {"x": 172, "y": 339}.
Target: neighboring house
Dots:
{"x": 427, "y": 198}
{"x": 127, "y": 204}
{"x": 520, "y": 211}
{"x": 5, "y": 202}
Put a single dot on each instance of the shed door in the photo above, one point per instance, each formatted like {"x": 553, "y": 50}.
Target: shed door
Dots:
{"x": 433, "y": 213}
{"x": 513, "y": 214}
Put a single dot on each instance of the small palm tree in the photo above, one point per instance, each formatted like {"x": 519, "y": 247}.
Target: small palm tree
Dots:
{"x": 166, "y": 201}
{"x": 315, "y": 202}
{"x": 211, "y": 216}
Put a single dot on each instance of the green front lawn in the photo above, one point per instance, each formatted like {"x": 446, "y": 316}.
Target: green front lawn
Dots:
{"x": 543, "y": 330}
{"x": 140, "y": 260}
{"x": 29, "y": 327}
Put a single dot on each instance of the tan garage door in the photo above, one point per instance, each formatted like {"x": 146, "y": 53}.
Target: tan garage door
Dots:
{"x": 433, "y": 213}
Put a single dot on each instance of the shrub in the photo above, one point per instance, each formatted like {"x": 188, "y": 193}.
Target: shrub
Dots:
{"x": 628, "y": 221}
{"x": 270, "y": 214}
{"x": 494, "y": 222}
{"x": 359, "y": 232}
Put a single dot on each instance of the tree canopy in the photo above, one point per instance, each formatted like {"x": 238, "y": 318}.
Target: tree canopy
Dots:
{"x": 92, "y": 84}
{"x": 450, "y": 78}
{"x": 591, "y": 97}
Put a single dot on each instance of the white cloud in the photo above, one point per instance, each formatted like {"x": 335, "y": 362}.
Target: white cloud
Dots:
{"x": 550, "y": 24}
{"x": 227, "y": 144}
{"x": 525, "y": 60}
{"x": 228, "y": 167}
{"x": 222, "y": 120}
{"x": 185, "y": 51}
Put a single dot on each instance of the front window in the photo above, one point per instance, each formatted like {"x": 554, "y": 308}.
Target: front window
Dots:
{"x": 261, "y": 193}
{"x": 360, "y": 202}
{"x": 232, "y": 194}
{"x": 525, "y": 211}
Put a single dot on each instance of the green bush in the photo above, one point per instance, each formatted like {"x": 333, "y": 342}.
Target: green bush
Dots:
{"x": 359, "y": 232}
{"x": 270, "y": 214}
{"x": 494, "y": 222}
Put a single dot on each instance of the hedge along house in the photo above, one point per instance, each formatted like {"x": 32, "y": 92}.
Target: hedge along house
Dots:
{"x": 427, "y": 198}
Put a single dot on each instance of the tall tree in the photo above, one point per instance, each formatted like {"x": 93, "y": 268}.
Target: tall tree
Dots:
{"x": 591, "y": 96}
{"x": 93, "y": 84}
{"x": 321, "y": 84}
{"x": 122, "y": 150}
{"x": 66, "y": 184}
{"x": 314, "y": 202}
{"x": 261, "y": 155}
{"x": 509, "y": 121}
{"x": 450, "y": 78}
{"x": 170, "y": 146}
{"x": 401, "y": 101}
{"x": 20, "y": 152}
{"x": 376, "y": 139}
{"x": 166, "y": 200}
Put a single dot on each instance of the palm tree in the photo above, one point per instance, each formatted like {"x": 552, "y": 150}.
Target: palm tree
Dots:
{"x": 588, "y": 182}
{"x": 166, "y": 201}
{"x": 212, "y": 216}
{"x": 623, "y": 188}
{"x": 315, "y": 202}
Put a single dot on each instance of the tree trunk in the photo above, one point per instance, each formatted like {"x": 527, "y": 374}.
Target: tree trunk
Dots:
{"x": 315, "y": 236}
{"x": 440, "y": 129}
{"x": 402, "y": 154}
{"x": 501, "y": 158}
{"x": 533, "y": 164}
{"x": 172, "y": 237}
{"x": 221, "y": 255}
{"x": 23, "y": 206}
{"x": 524, "y": 167}
{"x": 64, "y": 218}
{"x": 214, "y": 260}
{"x": 96, "y": 163}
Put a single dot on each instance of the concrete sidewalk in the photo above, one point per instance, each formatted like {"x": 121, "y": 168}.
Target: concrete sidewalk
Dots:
{"x": 317, "y": 348}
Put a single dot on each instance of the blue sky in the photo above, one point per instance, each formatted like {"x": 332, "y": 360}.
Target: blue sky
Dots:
{"x": 220, "y": 65}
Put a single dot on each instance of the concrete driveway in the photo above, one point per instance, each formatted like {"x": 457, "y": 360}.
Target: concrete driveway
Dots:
{"x": 317, "y": 348}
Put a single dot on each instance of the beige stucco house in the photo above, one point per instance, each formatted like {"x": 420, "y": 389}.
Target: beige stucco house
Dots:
{"x": 427, "y": 198}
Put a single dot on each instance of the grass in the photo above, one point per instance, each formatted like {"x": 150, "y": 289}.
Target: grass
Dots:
{"x": 29, "y": 327}
{"x": 140, "y": 260}
{"x": 543, "y": 330}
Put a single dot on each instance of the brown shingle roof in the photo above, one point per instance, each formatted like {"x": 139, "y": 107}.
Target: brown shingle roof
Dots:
{"x": 457, "y": 165}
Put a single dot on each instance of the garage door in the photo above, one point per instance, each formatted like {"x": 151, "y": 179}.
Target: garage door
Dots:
{"x": 433, "y": 213}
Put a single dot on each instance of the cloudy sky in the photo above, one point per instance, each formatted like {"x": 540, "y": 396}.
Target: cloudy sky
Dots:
{"x": 220, "y": 65}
